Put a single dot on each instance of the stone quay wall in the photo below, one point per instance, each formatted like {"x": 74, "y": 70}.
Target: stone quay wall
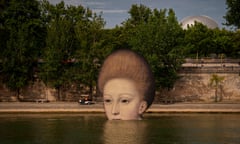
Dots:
{"x": 195, "y": 78}
{"x": 192, "y": 86}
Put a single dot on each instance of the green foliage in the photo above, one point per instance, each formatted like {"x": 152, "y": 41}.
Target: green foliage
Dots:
{"x": 158, "y": 38}
{"x": 3, "y": 32}
{"x": 233, "y": 13}
{"x": 222, "y": 43}
{"x": 139, "y": 14}
{"x": 59, "y": 44}
{"x": 198, "y": 40}
{"x": 114, "y": 39}
{"x": 235, "y": 41}
{"x": 72, "y": 45}
{"x": 23, "y": 27}
{"x": 71, "y": 42}
{"x": 201, "y": 41}
{"x": 215, "y": 82}
{"x": 88, "y": 34}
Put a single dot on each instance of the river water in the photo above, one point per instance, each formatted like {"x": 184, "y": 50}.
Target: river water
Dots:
{"x": 95, "y": 129}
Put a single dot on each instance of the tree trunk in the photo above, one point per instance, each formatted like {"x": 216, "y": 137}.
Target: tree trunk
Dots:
{"x": 90, "y": 91}
{"x": 216, "y": 94}
{"x": 58, "y": 94}
{"x": 221, "y": 93}
{"x": 18, "y": 95}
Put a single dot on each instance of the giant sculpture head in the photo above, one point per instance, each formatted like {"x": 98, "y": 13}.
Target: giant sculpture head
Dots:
{"x": 127, "y": 85}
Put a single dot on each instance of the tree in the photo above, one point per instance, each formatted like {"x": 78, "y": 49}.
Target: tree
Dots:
{"x": 60, "y": 43}
{"x": 114, "y": 39}
{"x": 3, "y": 31}
{"x": 201, "y": 41}
{"x": 24, "y": 28}
{"x": 138, "y": 14}
{"x": 73, "y": 46}
{"x": 3, "y": 5}
{"x": 198, "y": 41}
{"x": 158, "y": 38}
{"x": 215, "y": 81}
{"x": 88, "y": 33}
{"x": 223, "y": 43}
{"x": 235, "y": 52}
{"x": 233, "y": 13}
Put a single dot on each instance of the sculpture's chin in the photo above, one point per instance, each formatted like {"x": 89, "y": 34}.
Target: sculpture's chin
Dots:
{"x": 125, "y": 119}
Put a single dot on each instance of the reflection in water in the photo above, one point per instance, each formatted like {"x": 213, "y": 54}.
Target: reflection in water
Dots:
{"x": 195, "y": 128}
{"x": 51, "y": 128}
{"x": 125, "y": 132}
{"x": 95, "y": 129}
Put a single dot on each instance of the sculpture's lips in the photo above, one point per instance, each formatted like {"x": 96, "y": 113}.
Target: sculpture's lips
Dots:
{"x": 116, "y": 119}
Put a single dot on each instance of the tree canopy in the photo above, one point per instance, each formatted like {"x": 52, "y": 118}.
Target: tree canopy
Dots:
{"x": 233, "y": 13}
{"x": 72, "y": 45}
{"x": 158, "y": 37}
{"x": 66, "y": 44}
{"x": 23, "y": 31}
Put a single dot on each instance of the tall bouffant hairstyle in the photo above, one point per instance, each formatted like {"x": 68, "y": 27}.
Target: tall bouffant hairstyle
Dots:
{"x": 125, "y": 63}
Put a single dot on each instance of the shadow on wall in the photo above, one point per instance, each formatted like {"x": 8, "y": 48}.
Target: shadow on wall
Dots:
{"x": 196, "y": 88}
{"x": 38, "y": 92}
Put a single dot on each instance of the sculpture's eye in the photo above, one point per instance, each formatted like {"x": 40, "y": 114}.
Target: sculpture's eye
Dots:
{"x": 107, "y": 101}
{"x": 125, "y": 101}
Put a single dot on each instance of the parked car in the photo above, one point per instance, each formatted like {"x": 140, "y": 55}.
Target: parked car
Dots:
{"x": 86, "y": 102}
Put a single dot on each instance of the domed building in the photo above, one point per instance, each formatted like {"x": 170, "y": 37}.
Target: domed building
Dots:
{"x": 205, "y": 20}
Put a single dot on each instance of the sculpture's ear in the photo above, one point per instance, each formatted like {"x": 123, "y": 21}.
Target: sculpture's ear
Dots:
{"x": 142, "y": 107}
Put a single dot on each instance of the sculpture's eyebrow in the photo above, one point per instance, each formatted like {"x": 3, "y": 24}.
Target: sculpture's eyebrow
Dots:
{"x": 108, "y": 95}
{"x": 121, "y": 95}
{"x": 126, "y": 94}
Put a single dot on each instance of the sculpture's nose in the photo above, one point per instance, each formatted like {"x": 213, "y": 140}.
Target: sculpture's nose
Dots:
{"x": 115, "y": 109}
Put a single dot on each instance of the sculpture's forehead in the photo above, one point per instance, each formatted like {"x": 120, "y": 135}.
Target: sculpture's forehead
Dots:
{"x": 120, "y": 85}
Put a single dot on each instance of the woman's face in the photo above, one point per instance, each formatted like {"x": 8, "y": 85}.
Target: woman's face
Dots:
{"x": 122, "y": 100}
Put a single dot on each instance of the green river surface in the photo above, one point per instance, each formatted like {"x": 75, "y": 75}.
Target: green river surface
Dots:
{"x": 96, "y": 129}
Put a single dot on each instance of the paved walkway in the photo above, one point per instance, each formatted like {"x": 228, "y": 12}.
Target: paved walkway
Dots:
{"x": 74, "y": 107}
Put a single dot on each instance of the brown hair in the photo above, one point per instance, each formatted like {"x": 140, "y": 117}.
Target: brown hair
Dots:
{"x": 125, "y": 63}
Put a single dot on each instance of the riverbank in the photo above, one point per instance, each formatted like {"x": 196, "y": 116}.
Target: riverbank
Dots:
{"x": 74, "y": 107}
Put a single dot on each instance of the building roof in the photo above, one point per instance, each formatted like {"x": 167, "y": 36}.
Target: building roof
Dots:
{"x": 205, "y": 20}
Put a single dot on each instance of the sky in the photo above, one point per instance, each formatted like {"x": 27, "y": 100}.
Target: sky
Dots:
{"x": 115, "y": 12}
